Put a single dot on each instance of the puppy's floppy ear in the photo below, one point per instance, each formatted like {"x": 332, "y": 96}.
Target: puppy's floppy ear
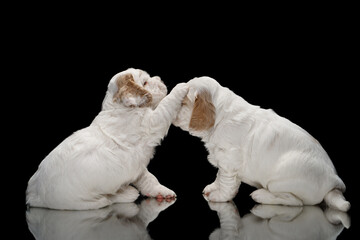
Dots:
{"x": 203, "y": 114}
{"x": 131, "y": 94}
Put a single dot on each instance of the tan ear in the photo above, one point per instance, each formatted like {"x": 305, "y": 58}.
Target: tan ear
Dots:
{"x": 131, "y": 94}
{"x": 203, "y": 114}
{"x": 120, "y": 82}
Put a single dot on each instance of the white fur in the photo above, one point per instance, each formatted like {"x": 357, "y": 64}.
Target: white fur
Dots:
{"x": 118, "y": 221}
{"x": 258, "y": 147}
{"x": 278, "y": 222}
{"x": 95, "y": 166}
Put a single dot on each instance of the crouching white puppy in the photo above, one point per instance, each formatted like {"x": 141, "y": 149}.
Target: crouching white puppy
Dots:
{"x": 95, "y": 166}
{"x": 256, "y": 146}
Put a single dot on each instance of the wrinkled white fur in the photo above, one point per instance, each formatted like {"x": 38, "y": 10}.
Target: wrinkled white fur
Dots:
{"x": 258, "y": 147}
{"x": 95, "y": 166}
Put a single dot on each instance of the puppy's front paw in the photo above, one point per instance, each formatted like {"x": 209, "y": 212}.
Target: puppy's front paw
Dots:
{"x": 216, "y": 196}
{"x": 210, "y": 188}
{"x": 153, "y": 205}
{"x": 161, "y": 193}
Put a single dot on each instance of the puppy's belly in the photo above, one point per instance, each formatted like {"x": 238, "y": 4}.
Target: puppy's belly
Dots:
{"x": 250, "y": 182}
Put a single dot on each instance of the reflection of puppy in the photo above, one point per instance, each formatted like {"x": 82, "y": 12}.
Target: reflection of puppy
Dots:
{"x": 256, "y": 146}
{"x": 277, "y": 222}
{"x": 118, "y": 221}
{"x": 94, "y": 166}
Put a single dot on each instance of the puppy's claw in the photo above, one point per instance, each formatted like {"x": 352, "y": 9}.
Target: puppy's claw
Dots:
{"x": 167, "y": 198}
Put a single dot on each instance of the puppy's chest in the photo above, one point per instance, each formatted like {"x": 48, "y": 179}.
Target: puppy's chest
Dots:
{"x": 226, "y": 155}
{"x": 215, "y": 153}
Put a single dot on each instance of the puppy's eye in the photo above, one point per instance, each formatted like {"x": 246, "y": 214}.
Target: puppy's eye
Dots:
{"x": 145, "y": 83}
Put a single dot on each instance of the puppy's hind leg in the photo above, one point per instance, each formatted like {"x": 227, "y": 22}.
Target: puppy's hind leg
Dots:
{"x": 265, "y": 197}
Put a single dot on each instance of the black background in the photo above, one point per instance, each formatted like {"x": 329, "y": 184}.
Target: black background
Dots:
{"x": 300, "y": 64}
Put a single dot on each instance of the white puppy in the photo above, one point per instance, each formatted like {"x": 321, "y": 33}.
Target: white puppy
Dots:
{"x": 256, "y": 146}
{"x": 95, "y": 166}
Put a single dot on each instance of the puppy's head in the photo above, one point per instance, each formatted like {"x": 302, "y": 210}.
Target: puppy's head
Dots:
{"x": 197, "y": 113}
{"x": 135, "y": 88}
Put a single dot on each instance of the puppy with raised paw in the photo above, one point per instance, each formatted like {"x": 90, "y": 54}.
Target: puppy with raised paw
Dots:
{"x": 258, "y": 147}
{"x": 107, "y": 162}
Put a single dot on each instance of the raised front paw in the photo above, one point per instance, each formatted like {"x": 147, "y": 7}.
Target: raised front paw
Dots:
{"x": 181, "y": 89}
{"x": 161, "y": 193}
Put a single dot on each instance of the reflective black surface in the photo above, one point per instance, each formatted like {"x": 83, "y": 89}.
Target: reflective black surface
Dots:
{"x": 152, "y": 219}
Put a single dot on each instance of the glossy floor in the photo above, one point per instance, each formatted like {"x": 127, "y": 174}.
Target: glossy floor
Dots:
{"x": 188, "y": 219}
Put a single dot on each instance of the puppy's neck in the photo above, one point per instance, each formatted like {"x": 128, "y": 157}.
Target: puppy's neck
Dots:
{"x": 204, "y": 135}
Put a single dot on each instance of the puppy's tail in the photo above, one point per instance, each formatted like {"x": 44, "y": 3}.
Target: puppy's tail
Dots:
{"x": 335, "y": 199}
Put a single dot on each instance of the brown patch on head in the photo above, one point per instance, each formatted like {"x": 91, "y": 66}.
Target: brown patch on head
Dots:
{"x": 127, "y": 88}
{"x": 203, "y": 114}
